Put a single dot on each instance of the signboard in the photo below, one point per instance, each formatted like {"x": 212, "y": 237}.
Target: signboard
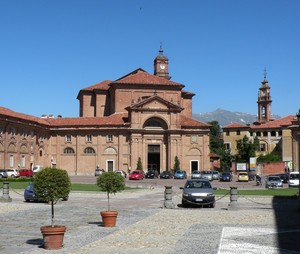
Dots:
{"x": 241, "y": 167}
{"x": 252, "y": 163}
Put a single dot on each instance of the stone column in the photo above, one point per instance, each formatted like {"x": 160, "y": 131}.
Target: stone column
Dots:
{"x": 5, "y": 197}
{"x": 233, "y": 205}
{"x": 168, "y": 198}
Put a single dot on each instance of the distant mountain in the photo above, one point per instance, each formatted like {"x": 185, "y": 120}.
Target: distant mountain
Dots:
{"x": 225, "y": 117}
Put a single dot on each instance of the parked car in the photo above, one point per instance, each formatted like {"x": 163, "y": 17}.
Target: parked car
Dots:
{"x": 273, "y": 182}
{"x": 198, "y": 191}
{"x": 26, "y": 173}
{"x": 294, "y": 179}
{"x": 13, "y": 173}
{"x": 31, "y": 195}
{"x": 3, "y": 173}
{"x": 166, "y": 175}
{"x": 99, "y": 171}
{"x": 284, "y": 177}
{"x": 196, "y": 175}
{"x": 243, "y": 177}
{"x": 180, "y": 174}
{"x": 215, "y": 175}
{"x": 151, "y": 174}
{"x": 37, "y": 168}
{"x": 225, "y": 177}
{"x": 136, "y": 175}
{"x": 207, "y": 175}
{"x": 121, "y": 172}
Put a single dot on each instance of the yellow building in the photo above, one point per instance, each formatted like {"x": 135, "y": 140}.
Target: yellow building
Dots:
{"x": 273, "y": 135}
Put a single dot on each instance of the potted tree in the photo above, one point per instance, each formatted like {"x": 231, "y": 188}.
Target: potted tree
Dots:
{"x": 110, "y": 182}
{"x": 50, "y": 185}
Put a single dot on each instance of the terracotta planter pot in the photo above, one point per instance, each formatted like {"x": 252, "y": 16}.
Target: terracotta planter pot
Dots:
{"x": 53, "y": 236}
{"x": 109, "y": 218}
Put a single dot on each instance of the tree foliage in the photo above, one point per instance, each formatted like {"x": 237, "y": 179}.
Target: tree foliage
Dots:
{"x": 50, "y": 185}
{"x": 139, "y": 165}
{"x": 217, "y": 145}
{"x": 176, "y": 165}
{"x": 270, "y": 157}
{"x": 215, "y": 141}
{"x": 110, "y": 182}
{"x": 246, "y": 149}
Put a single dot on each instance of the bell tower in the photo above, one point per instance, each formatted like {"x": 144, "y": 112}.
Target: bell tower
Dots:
{"x": 161, "y": 65}
{"x": 264, "y": 101}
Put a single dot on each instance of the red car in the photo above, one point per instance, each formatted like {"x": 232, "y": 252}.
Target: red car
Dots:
{"x": 136, "y": 175}
{"x": 26, "y": 173}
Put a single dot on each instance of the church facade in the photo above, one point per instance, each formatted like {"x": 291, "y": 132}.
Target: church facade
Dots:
{"x": 138, "y": 116}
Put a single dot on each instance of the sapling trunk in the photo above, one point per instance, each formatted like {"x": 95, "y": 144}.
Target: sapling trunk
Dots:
{"x": 108, "y": 205}
{"x": 52, "y": 213}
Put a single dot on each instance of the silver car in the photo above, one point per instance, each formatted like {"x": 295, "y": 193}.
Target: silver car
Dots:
{"x": 207, "y": 175}
{"x": 196, "y": 175}
{"x": 273, "y": 182}
{"x": 198, "y": 192}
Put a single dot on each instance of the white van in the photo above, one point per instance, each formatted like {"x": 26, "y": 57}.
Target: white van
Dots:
{"x": 294, "y": 179}
{"x": 37, "y": 168}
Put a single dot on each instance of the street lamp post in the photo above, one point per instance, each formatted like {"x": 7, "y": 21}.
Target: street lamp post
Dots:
{"x": 298, "y": 135}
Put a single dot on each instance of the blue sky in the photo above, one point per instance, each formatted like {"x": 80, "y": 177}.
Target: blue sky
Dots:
{"x": 50, "y": 49}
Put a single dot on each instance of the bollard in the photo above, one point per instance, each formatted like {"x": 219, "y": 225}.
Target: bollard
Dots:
{"x": 233, "y": 205}
{"x": 168, "y": 197}
{"x": 5, "y": 197}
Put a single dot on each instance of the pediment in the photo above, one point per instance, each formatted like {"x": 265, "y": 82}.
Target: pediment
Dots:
{"x": 154, "y": 103}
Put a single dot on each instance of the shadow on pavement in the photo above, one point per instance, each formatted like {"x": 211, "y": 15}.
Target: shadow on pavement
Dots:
{"x": 37, "y": 241}
{"x": 287, "y": 223}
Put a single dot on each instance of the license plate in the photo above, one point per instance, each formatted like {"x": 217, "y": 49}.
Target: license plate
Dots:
{"x": 198, "y": 199}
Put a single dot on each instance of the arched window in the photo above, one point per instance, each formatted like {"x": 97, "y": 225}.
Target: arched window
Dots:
{"x": 69, "y": 150}
{"x": 89, "y": 150}
{"x": 155, "y": 123}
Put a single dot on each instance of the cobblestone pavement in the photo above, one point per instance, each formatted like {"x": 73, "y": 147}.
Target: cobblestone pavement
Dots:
{"x": 259, "y": 225}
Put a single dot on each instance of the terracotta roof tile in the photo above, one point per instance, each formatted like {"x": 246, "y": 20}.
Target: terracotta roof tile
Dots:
{"x": 278, "y": 123}
{"x": 235, "y": 125}
{"x": 118, "y": 119}
{"x": 189, "y": 122}
{"x": 142, "y": 77}
{"x": 10, "y": 113}
{"x": 104, "y": 85}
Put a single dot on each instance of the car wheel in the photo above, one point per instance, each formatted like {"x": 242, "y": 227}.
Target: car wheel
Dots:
{"x": 212, "y": 205}
{"x": 13, "y": 176}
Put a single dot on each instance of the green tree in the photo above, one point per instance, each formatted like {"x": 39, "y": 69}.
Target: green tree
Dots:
{"x": 139, "y": 165}
{"x": 246, "y": 149}
{"x": 176, "y": 164}
{"x": 110, "y": 182}
{"x": 52, "y": 184}
{"x": 216, "y": 145}
{"x": 270, "y": 157}
{"x": 215, "y": 141}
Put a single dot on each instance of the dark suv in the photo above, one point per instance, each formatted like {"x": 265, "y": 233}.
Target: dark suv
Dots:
{"x": 3, "y": 173}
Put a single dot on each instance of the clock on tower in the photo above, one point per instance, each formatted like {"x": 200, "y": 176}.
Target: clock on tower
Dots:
{"x": 161, "y": 65}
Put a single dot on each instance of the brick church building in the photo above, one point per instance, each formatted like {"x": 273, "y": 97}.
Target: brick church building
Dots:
{"x": 139, "y": 115}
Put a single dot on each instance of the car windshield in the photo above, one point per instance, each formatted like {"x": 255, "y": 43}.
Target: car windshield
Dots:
{"x": 294, "y": 176}
{"x": 135, "y": 172}
{"x": 198, "y": 184}
{"x": 274, "y": 178}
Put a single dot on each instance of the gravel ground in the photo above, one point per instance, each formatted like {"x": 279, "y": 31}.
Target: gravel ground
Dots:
{"x": 261, "y": 224}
